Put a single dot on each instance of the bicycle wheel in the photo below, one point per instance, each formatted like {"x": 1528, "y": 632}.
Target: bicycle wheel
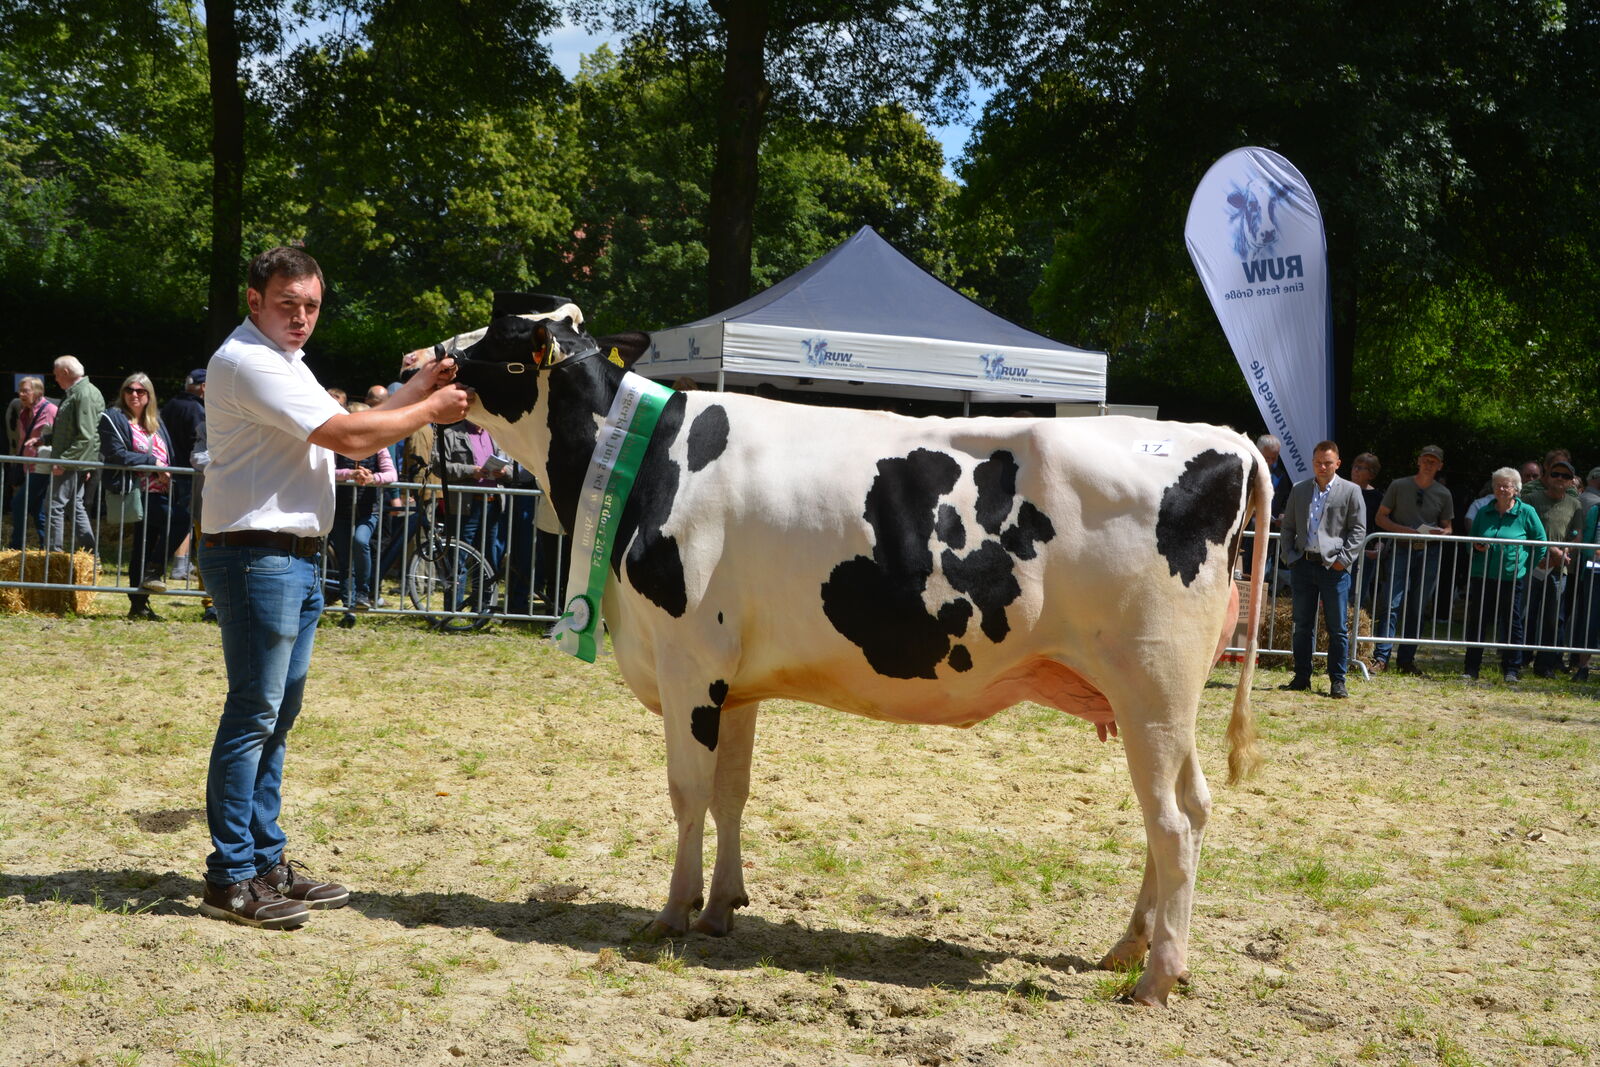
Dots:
{"x": 454, "y": 583}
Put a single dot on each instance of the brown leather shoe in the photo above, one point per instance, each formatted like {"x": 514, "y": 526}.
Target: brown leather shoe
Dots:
{"x": 296, "y": 883}
{"x": 253, "y": 903}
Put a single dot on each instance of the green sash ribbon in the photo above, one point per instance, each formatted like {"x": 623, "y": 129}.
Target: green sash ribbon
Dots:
{"x": 618, "y": 450}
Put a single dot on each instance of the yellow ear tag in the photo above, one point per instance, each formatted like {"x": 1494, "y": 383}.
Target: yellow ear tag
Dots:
{"x": 615, "y": 357}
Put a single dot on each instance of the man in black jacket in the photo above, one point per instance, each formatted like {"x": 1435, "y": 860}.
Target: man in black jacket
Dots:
{"x": 184, "y": 416}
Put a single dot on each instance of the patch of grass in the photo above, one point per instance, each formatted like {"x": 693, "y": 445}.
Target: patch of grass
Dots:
{"x": 209, "y": 1056}
{"x": 1117, "y": 985}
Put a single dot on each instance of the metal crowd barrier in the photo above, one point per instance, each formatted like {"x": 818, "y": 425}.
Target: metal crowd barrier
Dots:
{"x": 1426, "y": 596}
{"x": 516, "y": 558}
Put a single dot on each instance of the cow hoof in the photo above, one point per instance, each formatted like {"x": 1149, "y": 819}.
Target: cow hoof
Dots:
{"x": 1124, "y": 956}
{"x": 712, "y": 927}
{"x": 1153, "y": 993}
{"x": 656, "y": 930}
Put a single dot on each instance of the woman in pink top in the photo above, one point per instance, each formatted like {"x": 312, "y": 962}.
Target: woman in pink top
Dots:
{"x": 35, "y": 416}
{"x": 131, "y": 435}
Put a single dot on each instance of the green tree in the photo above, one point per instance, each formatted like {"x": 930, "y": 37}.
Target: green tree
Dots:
{"x": 796, "y": 59}
{"x": 102, "y": 207}
{"x": 1446, "y": 143}
{"x": 640, "y": 257}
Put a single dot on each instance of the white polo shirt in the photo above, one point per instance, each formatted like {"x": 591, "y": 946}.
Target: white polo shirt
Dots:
{"x": 261, "y": 405}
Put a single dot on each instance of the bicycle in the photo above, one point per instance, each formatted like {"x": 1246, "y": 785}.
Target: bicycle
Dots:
{"x": 451, "y": 577}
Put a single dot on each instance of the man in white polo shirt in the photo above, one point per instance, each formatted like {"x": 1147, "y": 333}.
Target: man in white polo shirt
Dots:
{"x": 271, "y": 432}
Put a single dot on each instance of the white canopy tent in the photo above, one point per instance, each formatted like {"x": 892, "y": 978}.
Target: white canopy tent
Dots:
{"x": 865, "y": 320}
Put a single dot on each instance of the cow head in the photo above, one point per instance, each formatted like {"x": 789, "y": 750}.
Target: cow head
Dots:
{"x": 1253, "y": 213}
{"x": 543, "y": 385}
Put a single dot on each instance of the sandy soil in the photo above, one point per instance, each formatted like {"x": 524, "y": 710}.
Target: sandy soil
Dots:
{"x": 1415, "y": 878}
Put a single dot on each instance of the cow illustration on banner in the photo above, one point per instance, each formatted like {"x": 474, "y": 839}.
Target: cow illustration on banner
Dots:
{"x": 1255, "y": 235}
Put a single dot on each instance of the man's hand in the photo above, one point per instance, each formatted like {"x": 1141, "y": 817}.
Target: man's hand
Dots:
{"x": 431, "y": 375}
{"x": 447, "y": 403}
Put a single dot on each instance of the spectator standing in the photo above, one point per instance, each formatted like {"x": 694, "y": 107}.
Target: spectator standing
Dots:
{"x": 1324, "y": 522}
{"x": 355, "y": 520}
{"x": 1559, "y": 507}
{"x": 471, "y": 458}
{"x": 1589, "y": 495}
{"x": 1495, "y": 585}
{"x": 184, "y": 416}
{"x": 131, "y": 435}
{"x": 268, "y": 503}
{"x": 75, "y": 436}
{"x": 36, "y": 415}
{"x": 1419, "y": 504}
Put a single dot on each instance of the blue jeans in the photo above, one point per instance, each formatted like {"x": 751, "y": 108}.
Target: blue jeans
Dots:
{"x": 268, "y": 603}
{"x": 351, "y": 541}
{"x": 1411, "y": 577}
{"x": 1309, "y": 580}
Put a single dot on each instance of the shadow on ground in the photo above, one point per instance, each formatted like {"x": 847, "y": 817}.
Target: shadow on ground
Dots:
{"x": 555, "y": 916}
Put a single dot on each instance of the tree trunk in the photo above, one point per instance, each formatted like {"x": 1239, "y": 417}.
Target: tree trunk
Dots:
{"x": 741, "y": 112}
{"x": 227, "y": 175}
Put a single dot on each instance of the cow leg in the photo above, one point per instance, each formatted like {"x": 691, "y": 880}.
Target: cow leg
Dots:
{"x": 691, "y": 769}
{"x": 736, "y": 742}
{"x": 1172, "y": 792}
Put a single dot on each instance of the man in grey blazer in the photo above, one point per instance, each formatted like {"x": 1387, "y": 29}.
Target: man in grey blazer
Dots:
{"x": 1324, "y": 522}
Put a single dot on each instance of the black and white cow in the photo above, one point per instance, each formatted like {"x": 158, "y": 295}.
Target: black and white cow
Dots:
{"x": 911, "y": 570}
{"x": 1253, "y": 216}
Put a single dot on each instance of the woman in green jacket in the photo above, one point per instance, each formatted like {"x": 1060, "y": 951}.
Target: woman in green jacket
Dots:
{"x": 1494, "y": 591}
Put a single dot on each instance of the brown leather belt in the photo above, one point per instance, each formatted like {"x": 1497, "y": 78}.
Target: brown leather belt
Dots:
{"x": 303, "y": 547}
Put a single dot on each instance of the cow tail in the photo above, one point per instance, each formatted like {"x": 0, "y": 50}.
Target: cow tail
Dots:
{"x": 1244, "y": 758}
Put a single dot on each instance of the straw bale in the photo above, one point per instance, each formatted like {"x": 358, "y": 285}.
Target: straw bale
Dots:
{"x": 76, "y": 568}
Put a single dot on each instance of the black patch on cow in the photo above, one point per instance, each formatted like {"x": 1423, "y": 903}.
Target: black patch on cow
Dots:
{"x": 954, "y": 616}
{"x": 1201, "y": 506}
{"x": 997, "y": 488}
{"x": 708, "y": 436}
{"x": 482, "y": 366}
{"x": 949, "y": 528}
{"x": 580, "y": 395}
{"x": 1032, "y": 528}
{"x": 705, "y": 723}
{"x": 719, "y": 618}
{"x": 877, "y": 602}
{"x": 986, "y": 575}
{"x": 655, "y": 566}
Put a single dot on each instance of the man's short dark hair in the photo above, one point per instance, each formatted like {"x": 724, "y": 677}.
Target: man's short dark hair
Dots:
{"x": 1326, "y": 446}
{"x": 289, "y": 262}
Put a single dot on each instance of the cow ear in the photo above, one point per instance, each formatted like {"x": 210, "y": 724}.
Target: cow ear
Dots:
{"x": 1236, "y": 200}
{"x": 624, "y": 349}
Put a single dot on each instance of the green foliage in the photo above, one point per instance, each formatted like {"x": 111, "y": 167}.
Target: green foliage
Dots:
{"x": 1446, "y": 148}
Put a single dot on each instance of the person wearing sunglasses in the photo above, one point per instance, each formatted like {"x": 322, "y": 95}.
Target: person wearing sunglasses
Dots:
{"x": 1560, "y": 509}
{"x": 1419, "y": 504}
{"x": 132, "y": 435}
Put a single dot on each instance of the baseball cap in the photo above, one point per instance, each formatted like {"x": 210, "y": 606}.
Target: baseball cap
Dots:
{"x": 1594, "y": 472}
{"x": 196, "y": 377}
{"x": 1432, "y": 450}
{"x": 1563, "y": 463}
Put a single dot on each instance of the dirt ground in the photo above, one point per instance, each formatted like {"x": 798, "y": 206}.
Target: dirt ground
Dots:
{"x": 1414, "y": 878}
